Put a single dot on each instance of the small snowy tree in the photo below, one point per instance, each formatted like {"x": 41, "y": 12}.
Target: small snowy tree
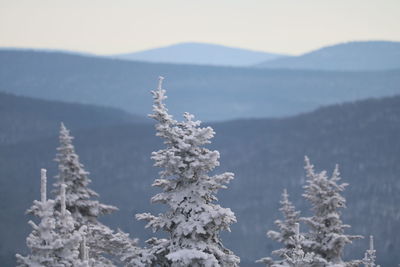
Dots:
{"x": 326, "y": 237}
{"x": 80, "y": 199}
{"x": 118, "y": 244}
{"x": 193, "y": 220}
{"x": 287, "y": 229}
{"x": 54, "y": 241}
{"x": 370, "y": 254}
{"x": 296, "y": 257}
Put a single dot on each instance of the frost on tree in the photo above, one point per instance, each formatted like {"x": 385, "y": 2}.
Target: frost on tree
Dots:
{"x": 54, "y": 241}
{"x": 287, "y": 229}
{"x": 80, "y": 199}
{"x": 297, "y": 257}
{"x": 370, "y": 254}
{"x": 193, "y": 220}
{"x": 118, "y": 244}
{"x": 326, "y": 237}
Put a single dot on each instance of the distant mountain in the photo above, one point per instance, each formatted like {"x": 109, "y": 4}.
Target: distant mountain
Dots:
{"x": 266, "y": 156}
{"x": 24, "y": 118}
{"x": 212, "y": 93}
{"x": 201, "y": 54}
{"x": 49, "y": 50}
{"x": 352, "y": 56}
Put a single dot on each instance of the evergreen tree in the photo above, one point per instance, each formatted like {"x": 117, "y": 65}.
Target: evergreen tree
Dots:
{"x": 326, "y": 237}
{"x": 124, "y": 249}
{"x": 80, "y": 199}
{"x": 54, "y": 241}
{"x": 296, "y": 257}
{"x": 193, "y": 220}
{"x": 287, "y": 229}
{"x": 370, "y": 254}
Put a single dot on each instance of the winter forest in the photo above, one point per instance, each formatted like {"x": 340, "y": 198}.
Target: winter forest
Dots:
{"x": 272, "y": 141}
{"x": 66, "y": 230}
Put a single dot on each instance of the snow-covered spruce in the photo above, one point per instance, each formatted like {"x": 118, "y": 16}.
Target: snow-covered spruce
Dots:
{"x": 326, "y": 236}
{"x": 296, "y": 257}
{"x": 54, "y": 241}
{"x": 287, "y": 229}
{"x": 370, "y": 254}
{"x": 81, "y": 200}
{"x": 118, "y": 244}
{"x": 79, "y": 197}
{"x": 193, "y": 220}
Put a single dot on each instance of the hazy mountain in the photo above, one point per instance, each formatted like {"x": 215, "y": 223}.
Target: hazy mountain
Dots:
{"x": 212, "y": 93}
{"x": 24, "y": 118}
{"x": 48, "y": 50}
{"x": 266, "y": 156}
{"x": 201, "y": 54}
{"x": 352, "y": 56}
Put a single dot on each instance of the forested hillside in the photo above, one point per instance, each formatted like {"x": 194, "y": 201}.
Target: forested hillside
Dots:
{"x": 25, "y": 118}
{"x": 228, "y": 93}
{"x": 266, "y": 156}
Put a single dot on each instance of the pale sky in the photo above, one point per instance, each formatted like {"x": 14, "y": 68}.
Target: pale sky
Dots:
{"x": 118, "y": 26}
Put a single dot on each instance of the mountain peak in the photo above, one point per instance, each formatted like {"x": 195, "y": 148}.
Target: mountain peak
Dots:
{"x": 200, "y": 54}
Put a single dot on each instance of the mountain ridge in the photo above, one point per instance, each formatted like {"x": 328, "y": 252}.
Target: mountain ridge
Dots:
{"x": 200, "y": 54}
{"x": 350, "y": 56}
{"x": 18, "y": 113}
{"x": 228, "y": 92}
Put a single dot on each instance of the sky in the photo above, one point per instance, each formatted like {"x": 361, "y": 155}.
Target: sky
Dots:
{"x": 121, "y": 26}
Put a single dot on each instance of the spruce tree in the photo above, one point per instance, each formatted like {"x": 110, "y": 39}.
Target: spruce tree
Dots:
{"x": 54, "y": 241}
{"x": 81, "y": 201}
{"x": 297, "y": 257}
{"x": 370, "y": 254}
{"x": 326, "y": 237}
{"x": 193, "y": 220}
{"x": 124, "y": 249}
{"x": 287, "y": 229}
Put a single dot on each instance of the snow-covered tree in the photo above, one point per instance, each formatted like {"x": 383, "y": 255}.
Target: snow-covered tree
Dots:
{"x": 296, "y": 257}
{"x": 193, "y": 220}
{"x": 54, "y": 241}
{"x": 326, "y": 237}
{"x": 80, "y": 199}
{"x": 287, "y": 229}
{"x": 370, "y": 254}
{"x": 124, "y": 249}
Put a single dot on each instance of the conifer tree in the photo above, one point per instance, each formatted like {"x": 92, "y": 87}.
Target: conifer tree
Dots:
{"x": 80, "y": 199}
{"x": 193, "y": 220}
{"x": 370, "y": 254}
{"x": 124, "y": 249}
{"x": 54, "y": 241}
{"x": 287, "y": 229}
{"x": 296, "y": 257}
{"x": 326, "y": 237}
